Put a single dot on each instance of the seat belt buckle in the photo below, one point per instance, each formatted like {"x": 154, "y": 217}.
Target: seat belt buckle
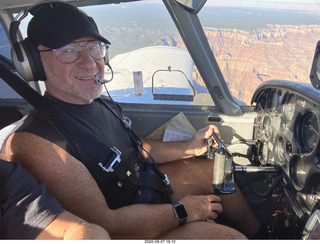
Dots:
{"x": 168, "y": 186}
{"x": 166, "y": 180}
{"x": 116, "y": 159}
{"x": 127, "y": 122}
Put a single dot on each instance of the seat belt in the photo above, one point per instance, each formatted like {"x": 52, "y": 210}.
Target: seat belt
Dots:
{"x": 126, "y": 122}
{"x": 108, "y": 157}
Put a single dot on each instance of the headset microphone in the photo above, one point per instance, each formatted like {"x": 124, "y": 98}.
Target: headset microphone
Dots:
{"x": 101, "y": 81}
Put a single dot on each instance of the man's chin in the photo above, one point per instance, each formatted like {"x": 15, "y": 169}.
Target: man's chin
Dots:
{"x": 91, "y": 95}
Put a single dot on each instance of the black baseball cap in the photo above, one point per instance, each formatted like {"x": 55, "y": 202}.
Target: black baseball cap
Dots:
{"x": 57, "y": 24}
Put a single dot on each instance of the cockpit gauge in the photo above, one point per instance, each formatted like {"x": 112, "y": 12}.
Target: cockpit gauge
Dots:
{"x": 318, "y": 68}
{"x": 267, "y": 127}
{"x": 263, "y": 153}
{"x": 289, "y": 148}
{"x": 315, "y": 68}
{"x": 261, "y": 104}
{"x": 280, "y": 150}
{"x": 283, "y": 125}
{"x": 289, "y": 107}
{"x": 297, "y": 171}
{"x": 309, "y": 135}
{"x": 273, "y": 101}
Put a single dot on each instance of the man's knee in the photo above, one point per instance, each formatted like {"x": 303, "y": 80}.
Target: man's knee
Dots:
{"x": 204, "y": 231}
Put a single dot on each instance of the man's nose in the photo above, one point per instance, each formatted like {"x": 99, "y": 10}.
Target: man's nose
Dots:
{"x": 85, "y": 55}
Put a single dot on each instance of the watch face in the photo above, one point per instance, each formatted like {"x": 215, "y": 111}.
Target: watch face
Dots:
{"x": 181, "y": 212}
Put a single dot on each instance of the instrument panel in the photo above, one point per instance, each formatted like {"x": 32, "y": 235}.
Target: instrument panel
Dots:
{"x": 287, "y": 132}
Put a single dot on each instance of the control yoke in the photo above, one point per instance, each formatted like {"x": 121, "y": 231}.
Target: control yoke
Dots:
{"x": 223, "y": 167}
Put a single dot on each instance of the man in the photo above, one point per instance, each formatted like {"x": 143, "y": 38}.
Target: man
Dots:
{"x": 28, "y": 212}
{"x": 67, "y": 45}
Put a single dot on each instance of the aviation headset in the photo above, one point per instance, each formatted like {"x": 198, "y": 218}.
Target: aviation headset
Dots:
{"x": 25, "y": 54}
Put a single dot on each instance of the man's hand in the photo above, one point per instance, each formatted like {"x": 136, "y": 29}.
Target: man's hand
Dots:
{"x": 201, "y": 208}
{"x": 197, "y": 144}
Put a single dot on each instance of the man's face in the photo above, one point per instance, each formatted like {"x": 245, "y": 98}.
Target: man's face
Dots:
{"x": 73, "y": 82}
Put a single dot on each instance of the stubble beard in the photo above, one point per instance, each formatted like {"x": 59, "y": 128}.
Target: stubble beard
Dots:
{"x": 71, "y": 90}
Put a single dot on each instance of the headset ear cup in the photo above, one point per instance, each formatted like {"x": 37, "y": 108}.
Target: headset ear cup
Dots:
{"x": 31, "y": 68}
{"x": 23, "y": 67}
{"x": 34, "y": 59}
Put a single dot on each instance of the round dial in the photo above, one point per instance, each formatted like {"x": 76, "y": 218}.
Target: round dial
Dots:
{"x": 280, "y": 150}
{"x": 267, "y": 127}
{"x": 309, "y": 131}
{"x": 274, "y": 101}
{"x": 297, "y": 172}
{"x": 318, "y": 68}
{"x": 289, "y": 107}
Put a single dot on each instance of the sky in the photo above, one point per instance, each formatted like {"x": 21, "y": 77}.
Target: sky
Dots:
{"x": 310, "y": 5}
{"x": 280, "y": 4}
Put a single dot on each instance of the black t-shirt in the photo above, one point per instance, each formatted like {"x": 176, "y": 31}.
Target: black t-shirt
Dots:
{"x": 26, "y": 208}
{"x": 102, "y": 122}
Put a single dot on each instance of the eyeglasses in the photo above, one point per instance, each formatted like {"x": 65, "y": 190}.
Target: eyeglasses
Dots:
{"x": 71, "y": 52}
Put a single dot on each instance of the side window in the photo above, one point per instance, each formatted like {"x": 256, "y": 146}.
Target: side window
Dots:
{"x": 254, "y": 42}
{"x": 5, "y": 51}
{"x": 4, "y": 44}
{"x": 12, "y": 110}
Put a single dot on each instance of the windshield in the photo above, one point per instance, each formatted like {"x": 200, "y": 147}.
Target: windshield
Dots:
{"x": 148, "y": 58}
{"x": 253, "y": 41}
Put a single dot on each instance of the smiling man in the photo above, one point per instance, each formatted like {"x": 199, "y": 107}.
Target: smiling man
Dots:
{"x": 73, "y": 54}
{"x": 72, "y": 81}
